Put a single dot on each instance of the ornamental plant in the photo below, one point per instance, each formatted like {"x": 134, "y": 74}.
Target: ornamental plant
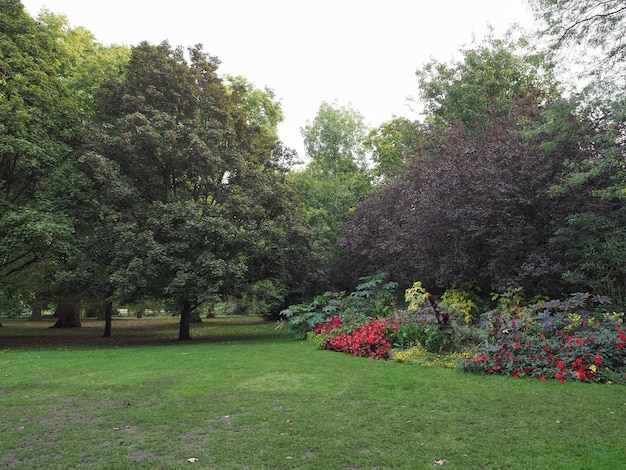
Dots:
{"x": 574, "y": 339}
{"x": 425, "y": 323}
{"x": 367, "y": 339}
{"x": 373, "y": 297}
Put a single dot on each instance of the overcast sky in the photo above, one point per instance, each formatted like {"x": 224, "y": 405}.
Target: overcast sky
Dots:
{"x": 362, "y": 53}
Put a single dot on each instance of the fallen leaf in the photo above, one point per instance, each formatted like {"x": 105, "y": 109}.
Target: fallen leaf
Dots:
{"x": 289, "y": 457}
{"x": 408, "y": 421}
{"x": 440, "y": 462}
{"x": 117, "y": 429}
{"x": 192, "y": 459}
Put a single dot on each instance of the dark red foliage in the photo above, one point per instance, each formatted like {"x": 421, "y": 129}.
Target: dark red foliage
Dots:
{"x": 472, "y": 207}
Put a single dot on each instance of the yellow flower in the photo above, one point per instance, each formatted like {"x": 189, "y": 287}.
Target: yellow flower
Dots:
{"x": 592, "y": 367}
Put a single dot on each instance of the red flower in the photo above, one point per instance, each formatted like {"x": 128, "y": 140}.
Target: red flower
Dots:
{"x": 543, "y": 378}
{"x": 516, "y": 346}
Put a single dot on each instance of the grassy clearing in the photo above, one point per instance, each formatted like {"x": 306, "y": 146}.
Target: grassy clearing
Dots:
{"x": 248, "y": 396}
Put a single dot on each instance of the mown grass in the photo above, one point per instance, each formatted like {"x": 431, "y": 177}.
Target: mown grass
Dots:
{"x": 249, "y": 396}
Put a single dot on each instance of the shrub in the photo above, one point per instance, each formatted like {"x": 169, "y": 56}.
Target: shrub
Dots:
{"x": 462, "y": 301}
{"x": 424, "y": 323}
{"x": 575, "y": 339}
{"x": 372, "y": 298}
{"x": 302, "y": 318}
{"x": 370, "y": 339}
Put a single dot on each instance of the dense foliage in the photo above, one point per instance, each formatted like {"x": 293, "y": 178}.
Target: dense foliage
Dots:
{"x": 138, "y": 174}
{"x": 204, "y": 191}
{"x": 335, "y": 179}
{"x": 474, "y": 208}
{"x": 579, "y": 338}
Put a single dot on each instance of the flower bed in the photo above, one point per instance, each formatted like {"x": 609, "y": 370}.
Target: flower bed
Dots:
{"x": 591, "y": 354}
{"x": 368, "y": 339}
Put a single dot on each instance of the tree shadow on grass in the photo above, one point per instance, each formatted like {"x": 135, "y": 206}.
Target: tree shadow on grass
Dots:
{"x": 22, "y": 334}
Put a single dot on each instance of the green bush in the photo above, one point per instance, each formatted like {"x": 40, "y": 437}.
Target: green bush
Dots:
{"x": 372, "y": 298}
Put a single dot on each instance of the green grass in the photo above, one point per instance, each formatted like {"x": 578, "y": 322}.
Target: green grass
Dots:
{"x": 248, "y": 396}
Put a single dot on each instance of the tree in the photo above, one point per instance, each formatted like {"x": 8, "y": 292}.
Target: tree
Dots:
{"x": 393, "y": 145}
{"x": 41, "y": 130}
{"x": 485, "y": 83}
{"x": 334, "y": 141}
{"x": 474, "y": 203}
{"x": 83, "y": 63}
{"x": 591, "y": 26}
{"x": 473, "y": 209}
{"x": 336, "y": 177}
{"x": 596, "y": 231}
{"x": 261, "y": 107}
{"x": 196, "y": 192}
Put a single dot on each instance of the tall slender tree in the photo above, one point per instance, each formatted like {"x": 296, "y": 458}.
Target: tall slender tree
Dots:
{"x": 336, "y": 177}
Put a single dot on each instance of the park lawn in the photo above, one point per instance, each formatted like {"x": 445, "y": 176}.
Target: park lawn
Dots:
{"x": 246, "y": 395}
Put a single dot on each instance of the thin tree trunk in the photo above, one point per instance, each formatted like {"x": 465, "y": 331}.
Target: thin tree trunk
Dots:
{"x": 185, "y": 321}
{"x": 108, "y": 317}
{"x": 68, "y": 313}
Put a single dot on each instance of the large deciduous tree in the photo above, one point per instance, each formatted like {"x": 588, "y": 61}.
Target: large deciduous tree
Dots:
{"x": 474, "y": 209}
{"x": 198, "y": 203}
{"x": 485, "y": 83}
{"x": 590, "y": 34}
{"x": 393, "y": 144}
{"x": 40, "y": 131}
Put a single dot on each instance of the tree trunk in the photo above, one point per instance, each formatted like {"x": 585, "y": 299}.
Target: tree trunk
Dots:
{"x": 195, "y": 317}
{"x": 108, "y": 317}
{"x": 35, "y": 313}
{"x": 185, "y": 320}
{"x": 68, "y": 313}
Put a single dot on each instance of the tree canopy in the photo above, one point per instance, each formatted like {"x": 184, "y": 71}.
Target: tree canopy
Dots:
{"x": 204, "y": 187}
{"x": 588, "y": 32}
{"x": 473, "y": 202}
{"x": 40, "y": 132}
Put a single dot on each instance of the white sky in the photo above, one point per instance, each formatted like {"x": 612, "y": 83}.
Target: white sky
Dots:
{"x": 358, "y": 52}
